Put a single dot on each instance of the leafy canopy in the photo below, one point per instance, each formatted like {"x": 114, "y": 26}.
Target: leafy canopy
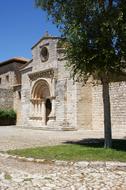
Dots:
{"x": 95, "y": 31}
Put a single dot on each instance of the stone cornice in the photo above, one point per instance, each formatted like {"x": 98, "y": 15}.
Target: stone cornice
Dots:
{"x": 49, "y": 73}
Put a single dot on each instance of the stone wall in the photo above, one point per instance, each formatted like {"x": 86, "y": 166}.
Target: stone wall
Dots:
{"x": 97, "y": 108}
{"x": 118, "y": 107}
{"x": 84, "y": 106}
{"x": 7, "y": 80}
{"x": 37, "y": 63}
{"x": 25, "y": 99}
{"x": 65, "y": 98}
{"x": 9, "y": 75}
{"x": 17, "y": 106}
{"x": 71, "y": 105}
{"x": 6, "y": 99}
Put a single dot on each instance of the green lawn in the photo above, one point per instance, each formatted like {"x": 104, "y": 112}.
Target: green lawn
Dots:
{"x": 73, "y": 152}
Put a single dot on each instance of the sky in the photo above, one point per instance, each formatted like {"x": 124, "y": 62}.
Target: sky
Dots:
{"x": 21, "y": 26}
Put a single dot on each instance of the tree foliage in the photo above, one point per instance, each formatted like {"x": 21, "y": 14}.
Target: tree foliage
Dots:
{"x": 96, "y": 32}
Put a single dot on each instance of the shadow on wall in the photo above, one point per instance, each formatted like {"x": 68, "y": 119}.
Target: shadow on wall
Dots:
{"x": 118, "y": 144}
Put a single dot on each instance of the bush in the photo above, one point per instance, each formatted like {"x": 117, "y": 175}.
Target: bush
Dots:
{"x": 7, "y": 117}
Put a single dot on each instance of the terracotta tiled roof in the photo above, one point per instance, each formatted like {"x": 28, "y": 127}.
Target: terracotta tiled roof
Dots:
{"x": 14, "y": 59}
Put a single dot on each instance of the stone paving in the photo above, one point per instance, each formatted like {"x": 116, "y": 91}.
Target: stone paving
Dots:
{"x": 61, "y": 175}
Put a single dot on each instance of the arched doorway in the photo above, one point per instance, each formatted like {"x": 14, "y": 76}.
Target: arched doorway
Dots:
{"x": 41, "y": 103}
{"x": 48, "y": 109}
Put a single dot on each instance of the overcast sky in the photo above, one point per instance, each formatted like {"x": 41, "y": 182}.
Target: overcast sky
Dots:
{"x": 21, "y": 26}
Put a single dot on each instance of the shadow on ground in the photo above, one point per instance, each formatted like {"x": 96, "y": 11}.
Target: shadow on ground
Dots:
{"x": 118, "y": 144}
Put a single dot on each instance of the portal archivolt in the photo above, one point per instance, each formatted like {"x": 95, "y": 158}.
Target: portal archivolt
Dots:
{"x": 41, "y": 103}
{"x": 40, "y": 90}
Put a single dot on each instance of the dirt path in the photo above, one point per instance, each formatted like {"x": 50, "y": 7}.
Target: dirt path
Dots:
{"x": 12, "y": 137}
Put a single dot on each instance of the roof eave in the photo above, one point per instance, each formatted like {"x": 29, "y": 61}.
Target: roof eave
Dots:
{"x": 46, "y": 38}
{"x": 19, "y": 60}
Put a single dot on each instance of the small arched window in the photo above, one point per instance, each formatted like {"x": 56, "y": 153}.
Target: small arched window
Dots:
{"x": 44, "y": 54}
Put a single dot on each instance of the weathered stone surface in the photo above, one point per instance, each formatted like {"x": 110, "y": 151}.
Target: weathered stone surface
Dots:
{"x": 118, "y": 105}
{"x": 10, "y": 79}
{"x": 6, "y": 98}
{"x": 16, "y": 175}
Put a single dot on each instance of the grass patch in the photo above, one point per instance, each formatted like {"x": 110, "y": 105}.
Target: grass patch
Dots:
{"x": 28, "y": 179}
{"x": 7, "y": 176}
{"x": 72, "y": 152}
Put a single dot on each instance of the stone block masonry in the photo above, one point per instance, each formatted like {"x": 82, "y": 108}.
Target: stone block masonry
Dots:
{"x": 117, "y": 92}
{"x": 6, "y": 98}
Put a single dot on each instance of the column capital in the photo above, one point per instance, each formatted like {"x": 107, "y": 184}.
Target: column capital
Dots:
{"x": 43, "y": 100}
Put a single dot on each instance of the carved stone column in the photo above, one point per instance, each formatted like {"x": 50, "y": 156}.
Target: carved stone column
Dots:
{"x": 52, "y": 99}
{"x": 53, "y": 87}
{"x": 39, "y": 108}
{"x": 31, "y": 108}
{"x": 35, "y": 108}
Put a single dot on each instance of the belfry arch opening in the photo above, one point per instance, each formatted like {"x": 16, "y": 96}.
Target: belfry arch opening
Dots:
{"x": 41, "y": 102}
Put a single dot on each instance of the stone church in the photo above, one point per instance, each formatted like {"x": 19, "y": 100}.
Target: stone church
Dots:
{"x": 44, "y": 96}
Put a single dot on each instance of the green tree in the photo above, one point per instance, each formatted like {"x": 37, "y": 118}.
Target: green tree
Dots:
{"x": 96, "y": 34}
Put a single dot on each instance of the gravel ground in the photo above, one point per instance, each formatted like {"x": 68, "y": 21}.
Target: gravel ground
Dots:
{"x": 12, "y": 137}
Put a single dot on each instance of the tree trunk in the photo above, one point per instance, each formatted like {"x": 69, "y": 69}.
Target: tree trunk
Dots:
{"x": 110, "y": 3}
{"x": 107, "y": 114}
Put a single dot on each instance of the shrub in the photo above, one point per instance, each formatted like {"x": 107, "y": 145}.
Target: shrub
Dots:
{"x": 7, "y": 117}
